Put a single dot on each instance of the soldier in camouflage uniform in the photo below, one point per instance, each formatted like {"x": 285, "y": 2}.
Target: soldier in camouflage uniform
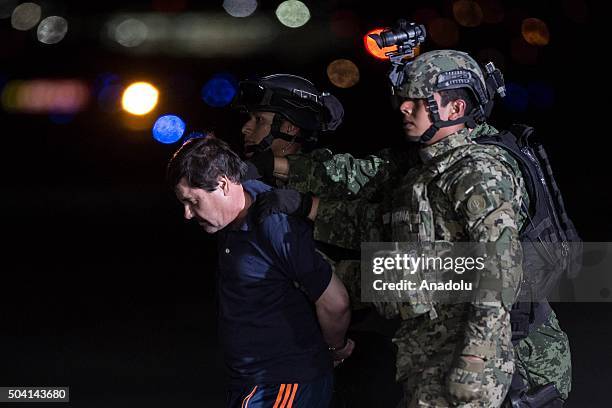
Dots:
{"x": 543, "y": 357}
{"x": 462, "y": 191}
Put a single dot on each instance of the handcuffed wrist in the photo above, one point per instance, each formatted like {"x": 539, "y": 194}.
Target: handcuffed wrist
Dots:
{"x": 334, "y": 349}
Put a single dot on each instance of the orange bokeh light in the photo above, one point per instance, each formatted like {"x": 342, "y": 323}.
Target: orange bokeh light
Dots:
{"x": 535, "y": 32}
{"x": 372, "y": 48}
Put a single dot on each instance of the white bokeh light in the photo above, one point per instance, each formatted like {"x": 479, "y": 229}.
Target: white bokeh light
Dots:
{"x": 131, "y": 32}
{"x": 52, "y": 30}
{"x": 293, "y": 13}
{"x": 25, "y": 16}
{"x": 240, "y": 8}
{"x": 139, "y": 98}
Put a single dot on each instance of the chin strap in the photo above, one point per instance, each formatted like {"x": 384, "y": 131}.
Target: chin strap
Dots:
{"x": 275, "y": 133}
{"x": 477, "y": 115}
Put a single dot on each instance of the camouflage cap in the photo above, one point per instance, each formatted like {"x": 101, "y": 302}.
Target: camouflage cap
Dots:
{"x": 421, "y": 77}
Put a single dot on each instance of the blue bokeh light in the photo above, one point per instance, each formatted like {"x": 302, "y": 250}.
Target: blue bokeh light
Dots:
{"x": 517, "y": 98}
{"x": 220, "y": 90}
{"x": 168, "y": 129}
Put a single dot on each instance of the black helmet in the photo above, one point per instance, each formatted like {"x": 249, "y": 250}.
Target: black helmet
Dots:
{"x": 294, "y": 97}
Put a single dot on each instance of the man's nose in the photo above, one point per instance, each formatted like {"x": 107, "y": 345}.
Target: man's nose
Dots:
{"x": 407, "y": 107}
{"x": 247, "y": 128}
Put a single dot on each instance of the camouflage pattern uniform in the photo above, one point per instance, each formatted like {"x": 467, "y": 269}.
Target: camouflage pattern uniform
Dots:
{"x": 542, "y": 357}
{"x": 460, "y": 193}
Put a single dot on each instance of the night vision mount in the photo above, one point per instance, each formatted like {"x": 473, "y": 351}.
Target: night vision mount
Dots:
{"x": 406, "y": 36}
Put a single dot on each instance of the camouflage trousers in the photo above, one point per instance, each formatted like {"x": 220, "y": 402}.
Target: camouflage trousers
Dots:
{"x": 427, "y": 350}
{"x": 545, "y": 357}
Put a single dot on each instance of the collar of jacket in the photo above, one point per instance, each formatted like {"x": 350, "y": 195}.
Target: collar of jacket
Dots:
{"x": 452, "y": 141}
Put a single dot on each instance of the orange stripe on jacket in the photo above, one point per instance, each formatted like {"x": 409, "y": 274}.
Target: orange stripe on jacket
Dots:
{"x": 290, "y": 405}
{"x": 279, "y": 396}
{"x": 287, "y": 395}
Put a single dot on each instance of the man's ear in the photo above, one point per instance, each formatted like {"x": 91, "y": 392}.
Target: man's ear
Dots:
{"x": 457, "y": 109}
{"x": 224, "y": 184}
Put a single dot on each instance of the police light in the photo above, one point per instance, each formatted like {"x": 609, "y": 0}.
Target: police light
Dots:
{"x": 140, "y": 98}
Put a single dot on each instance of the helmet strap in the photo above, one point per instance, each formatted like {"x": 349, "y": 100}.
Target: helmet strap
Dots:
{"x": 470, "y": 120}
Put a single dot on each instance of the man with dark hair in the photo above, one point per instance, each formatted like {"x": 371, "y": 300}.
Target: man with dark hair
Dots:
{"x": 283, "y": 314}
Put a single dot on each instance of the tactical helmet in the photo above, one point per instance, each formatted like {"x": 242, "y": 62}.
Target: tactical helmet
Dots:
{"x": 440, "y": 70}
{"x": 293, "y": 97}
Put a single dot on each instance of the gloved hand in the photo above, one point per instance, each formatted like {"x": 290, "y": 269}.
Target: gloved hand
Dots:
{"x": 264, "y": 163}
{"x": 464, "y": 380}
{"x": 287, "y": 201}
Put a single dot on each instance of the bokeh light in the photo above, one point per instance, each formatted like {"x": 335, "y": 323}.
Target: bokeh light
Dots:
{"x": 343, "y": 73}
{"x": 467, "y": 13}
{"x": 130, "y": 32}
{"x": 372, "y": 48}
{"x": 535, "y": 32}
{"x": 292, "y": 13}
{"x": 240, "y": 8}
{"x": 492, "y": 11}
{"x": 52, "y": 30}
{"x": 522, "y": 52}
{"x": 64, "y": 96}
{"x": 517, "y": 98}
{"x": 443, "y": 31}
{"x": 541, "y": 95}
{"x": 220, "y": 90}
{"x": 25, "y": 16}
{"x": 140, "y": 98}
{"x": 7, "y": 7}
{"x": 168, "y": 129}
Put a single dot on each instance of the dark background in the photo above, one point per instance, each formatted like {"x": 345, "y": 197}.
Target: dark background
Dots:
{"x": 107, "y": 290}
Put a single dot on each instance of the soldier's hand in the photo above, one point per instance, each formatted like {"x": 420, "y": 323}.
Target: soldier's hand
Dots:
{"x": 464, "y": 380}
{"x": 286, "y": 201}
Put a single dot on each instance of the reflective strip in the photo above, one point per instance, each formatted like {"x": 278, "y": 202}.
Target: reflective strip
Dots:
{"x": 245, "y": 402}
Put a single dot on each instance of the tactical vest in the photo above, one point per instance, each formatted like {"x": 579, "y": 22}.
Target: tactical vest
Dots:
{"x": 410, "y": 219}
